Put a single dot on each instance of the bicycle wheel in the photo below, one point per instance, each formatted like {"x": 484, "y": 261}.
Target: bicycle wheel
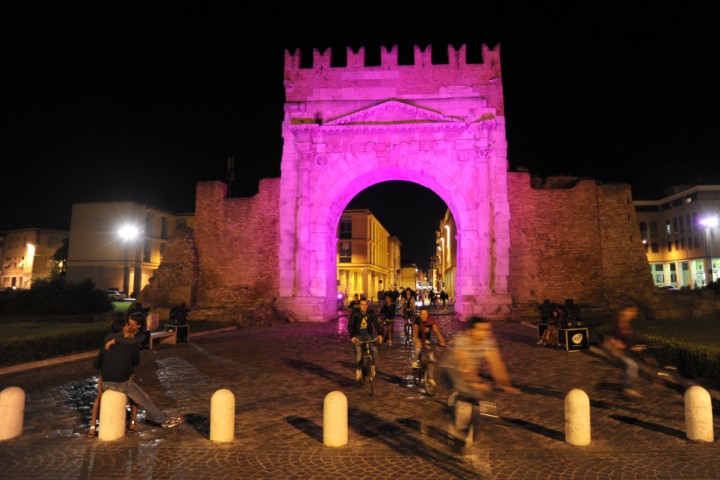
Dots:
{"x": 363, "y": 372}
{"x": 429, "y": 379}
{"x": 367, "y": 377}
{"x": 417, "y": 376}
{"x": 419, "y": 372}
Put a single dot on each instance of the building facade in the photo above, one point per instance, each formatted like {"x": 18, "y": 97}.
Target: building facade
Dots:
{"x": 119, "y": 245}
{"x": 27, "y": 256}
{"x": 681, "y": 237}
{"x": 445, "y": 263}
{"x": 366, "y": 255}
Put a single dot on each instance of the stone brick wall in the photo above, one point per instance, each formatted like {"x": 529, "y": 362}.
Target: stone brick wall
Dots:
{"x": 237, "y": 242}
{"x": 569, "y": 238}
{"x": 573, "y": 238}
{"x": 175, "y": 281}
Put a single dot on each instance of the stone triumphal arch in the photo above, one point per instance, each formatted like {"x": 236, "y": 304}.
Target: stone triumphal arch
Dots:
{"x": 441, "y": 126}
{"x": 347, "y": 128}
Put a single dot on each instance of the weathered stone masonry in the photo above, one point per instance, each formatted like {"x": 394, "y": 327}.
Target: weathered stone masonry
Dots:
{"x": 573, "y": 238}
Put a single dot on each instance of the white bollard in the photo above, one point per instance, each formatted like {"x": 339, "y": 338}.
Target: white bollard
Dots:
{"x": 577, "y": 418}
{"x": 698, "y": 415}
{"x": 12, "y": 412}
{"x": 112, "y": 415}
{"x": 222, "y": 416}
{"x": 335, "y": 420}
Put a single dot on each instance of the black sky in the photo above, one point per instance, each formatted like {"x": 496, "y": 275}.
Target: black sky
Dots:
{"x": 112, "y": 101}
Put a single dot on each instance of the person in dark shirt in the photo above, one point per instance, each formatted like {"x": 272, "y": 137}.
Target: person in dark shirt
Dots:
{"x": 388, "y": 313}
{"x": 120, "y": 358}
{"x": 116, "y": 329}
{"x": 354, "y": 304}
{"x": 423, "y": 329}
{"x": 363, "y": 325}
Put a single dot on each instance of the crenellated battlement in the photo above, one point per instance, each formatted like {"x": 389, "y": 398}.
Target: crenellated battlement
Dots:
{"x": 322, "y": 81}
{"x": 457, "y": 57}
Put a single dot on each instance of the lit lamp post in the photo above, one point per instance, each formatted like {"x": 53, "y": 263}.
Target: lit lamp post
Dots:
{"x": 127, "y": 233}
{"x": 709, "y": 223}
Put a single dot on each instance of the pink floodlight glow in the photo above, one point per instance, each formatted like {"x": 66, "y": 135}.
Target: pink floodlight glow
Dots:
{"x": 709, "y": 222}
{"x": 348, "y": 128}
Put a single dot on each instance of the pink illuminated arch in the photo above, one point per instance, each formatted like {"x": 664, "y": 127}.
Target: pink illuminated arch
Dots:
{"x": 348, "y": 128}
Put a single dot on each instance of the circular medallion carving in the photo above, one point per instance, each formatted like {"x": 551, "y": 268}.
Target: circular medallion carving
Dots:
{"x": 321, "y": 160}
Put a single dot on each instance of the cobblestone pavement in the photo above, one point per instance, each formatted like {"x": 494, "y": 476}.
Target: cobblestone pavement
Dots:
{"x": 280, "y": 376}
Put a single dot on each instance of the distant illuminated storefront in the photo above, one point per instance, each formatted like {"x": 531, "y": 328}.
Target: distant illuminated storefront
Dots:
{"x": 681, "y": 236}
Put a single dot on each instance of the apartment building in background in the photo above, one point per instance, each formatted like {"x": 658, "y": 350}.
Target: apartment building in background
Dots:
{"x": 368, "y": 258}
{"x": 27, "y": 255}
{"x": 681, "y": 236}
{"x": 445, "y": 263}
{"x": 120, "y": 244}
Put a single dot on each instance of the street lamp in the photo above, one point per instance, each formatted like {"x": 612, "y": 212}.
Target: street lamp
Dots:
{"x": 127, "y": 233}
{"x": 709, "y": 223}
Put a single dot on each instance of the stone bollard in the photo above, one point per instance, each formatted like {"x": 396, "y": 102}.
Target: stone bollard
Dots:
{"x": 222, "y": 416}
{"x": 112, "y": 415}
{"x": 12, "y": 412}
{"x": 698, "y": 415}
{"x": 335, "y": 420}
{"x": 577, "y": 418}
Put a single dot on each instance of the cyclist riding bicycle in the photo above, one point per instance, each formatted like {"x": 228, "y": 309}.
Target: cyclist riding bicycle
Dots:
{"x": 423, "y": 329}
{"x": 363, "y": 325}
{"x": 408, "y": 306}
{"x": 388, "y": 313}
{"x": 475, "y": 368}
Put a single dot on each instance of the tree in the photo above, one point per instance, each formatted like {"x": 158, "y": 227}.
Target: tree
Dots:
{"x": 59, "y": 259}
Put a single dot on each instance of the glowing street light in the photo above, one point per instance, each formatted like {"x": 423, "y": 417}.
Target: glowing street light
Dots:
{"x": 127, "y": 233}
{"x": 709, "y": 223}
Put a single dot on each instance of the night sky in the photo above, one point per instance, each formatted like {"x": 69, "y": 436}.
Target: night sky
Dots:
{"x": 114, "y": 101}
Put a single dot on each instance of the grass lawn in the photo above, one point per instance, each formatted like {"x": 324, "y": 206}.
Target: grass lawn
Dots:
{"x": 24, "y": 340}
{"x": 20, "y": 330}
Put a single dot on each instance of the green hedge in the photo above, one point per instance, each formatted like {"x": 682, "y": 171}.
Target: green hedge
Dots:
{"x": 50, "y": 345}
{"x": 55, "y": 297}
{"x": 701, "y": 364}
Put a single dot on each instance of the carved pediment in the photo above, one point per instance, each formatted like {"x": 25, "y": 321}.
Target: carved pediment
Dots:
{"x": 391, "y": 112}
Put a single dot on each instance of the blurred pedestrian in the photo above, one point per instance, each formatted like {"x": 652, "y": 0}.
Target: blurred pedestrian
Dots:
{"x": 620, "y": 345}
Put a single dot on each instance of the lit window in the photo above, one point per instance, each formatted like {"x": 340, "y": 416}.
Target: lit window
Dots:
{"x": 345, "y": 228}
{"x": 345, "y": 252}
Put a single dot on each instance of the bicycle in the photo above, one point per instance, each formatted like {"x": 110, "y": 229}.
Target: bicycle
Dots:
{"x": 463, "y": 413}
{"x": 408, "y": 321}
{"x": 367, "y": 368}
{"x": 424, "y": 374}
